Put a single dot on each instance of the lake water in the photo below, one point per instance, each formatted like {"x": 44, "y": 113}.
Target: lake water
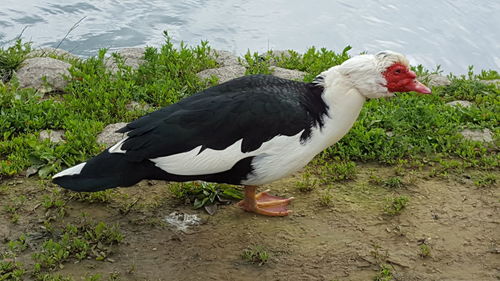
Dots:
{"x": 453, "y": 34}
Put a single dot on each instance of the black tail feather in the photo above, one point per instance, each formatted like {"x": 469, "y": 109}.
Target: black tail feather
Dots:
{"x": 104, "y": 171}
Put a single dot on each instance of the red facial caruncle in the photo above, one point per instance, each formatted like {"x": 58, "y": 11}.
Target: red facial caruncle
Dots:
{"x": 401, "y": 79}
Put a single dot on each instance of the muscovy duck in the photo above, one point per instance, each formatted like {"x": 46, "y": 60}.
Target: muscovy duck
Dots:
{"x": 248, "y": 131}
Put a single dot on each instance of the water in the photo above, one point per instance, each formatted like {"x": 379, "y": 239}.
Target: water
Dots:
{"x": 453, "y": 34}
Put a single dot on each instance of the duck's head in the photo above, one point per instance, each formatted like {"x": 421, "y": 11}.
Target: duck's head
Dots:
{"x": 380, "y": 75}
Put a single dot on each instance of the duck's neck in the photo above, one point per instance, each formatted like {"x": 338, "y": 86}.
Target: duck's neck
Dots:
{"x": 344, "y": 102}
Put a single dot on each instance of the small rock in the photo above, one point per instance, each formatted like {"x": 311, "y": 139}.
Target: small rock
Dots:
{"x": 133, "y": 105}
{"x": 484, "y": 135}
{"x": 109, "y": 136}
{"x": 49, "y": 51}
{"x": 33, "y": 70}
{"x": 224, "y": 58}
{"x": 132, "y": 57}
{"x": 53, "y": 136}
{"x": 495, "y": 82}
{"x": 438, "y": 80}
{"x": 224, "y": 73}
{"x": 182, "y": 221}
{"x": 288, "y": 73}
{"x": 458, "y": 103}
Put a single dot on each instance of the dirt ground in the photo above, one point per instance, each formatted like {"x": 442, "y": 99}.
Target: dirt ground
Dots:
{"x": 348, "y": 240}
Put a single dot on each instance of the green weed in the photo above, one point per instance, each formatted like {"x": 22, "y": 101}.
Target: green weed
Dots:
{"x": 393, "y": 182}
{"x": 332, "y": 172}
{"x": 78, "y": 242}
{"x": 384, "y": 273}
{"x": 486, "y": 179}
{"x": 308, "y": 183}
{"x": 394, "y": 205}
{"x": 425, "y": 250}
{"x": 18, "y": 245}
{"x": 11, "y": 271}
{"x": 326, "y": 199}
{"x": 11, "y": 58}
{"x": 257, "y": 64}
{"x": 255, "y": 254}
{"x": 203, "y": 194}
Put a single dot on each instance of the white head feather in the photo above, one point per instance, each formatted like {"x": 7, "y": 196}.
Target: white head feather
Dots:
{"x": 365, "y": 72}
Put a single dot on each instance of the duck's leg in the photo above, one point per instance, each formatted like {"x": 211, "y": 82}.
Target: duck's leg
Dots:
{"x": 263, "y": 203}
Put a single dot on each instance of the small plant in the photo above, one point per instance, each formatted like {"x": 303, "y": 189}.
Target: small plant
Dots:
{"x": 326, "y": 199}
{"x": 307, "y": 183}
{"x": 485, "y": 180}
{"x": 338, "y": 171}
{"x": 425, "y": 250}
{"x": 384, "y": 273}
{"x": 79, "y": 242}
{"x": 255, "y": 254}
{"x": 204, "y": 194}
{"x": 92, "y": 197}
{"x": 393, "y": 182}
{"x": 11, "y": 271}
{"x": 11, "y": 58}
{"x": 394, "y": 205}
{"x": 18, "y": 245}
{"x": 257, "y": 64}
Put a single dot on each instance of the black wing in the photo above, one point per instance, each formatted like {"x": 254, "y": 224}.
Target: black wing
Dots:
{"x": 253, "y": 108}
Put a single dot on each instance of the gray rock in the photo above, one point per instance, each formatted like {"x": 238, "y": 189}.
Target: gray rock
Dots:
{"x": 484, "y": 135}
{"x": 53, "y": 136}
{"x": 132, "y": 57}
{"x": 109, "y": 136}
{"x": 224, "y": 73}
{"x": 495, "y": 82}
{"x": 44, "y": 74}
{"x": 438, "y": 80}
{"x": 49, "y": 51}
{"x": 133, "y": 105}
{"x": 288, "y": 73}
{"x": 224, "y": 58}
{"x": 458, "y": 103}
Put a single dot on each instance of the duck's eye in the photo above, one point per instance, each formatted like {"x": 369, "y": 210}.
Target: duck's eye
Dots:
{"x": 397, "y": 71}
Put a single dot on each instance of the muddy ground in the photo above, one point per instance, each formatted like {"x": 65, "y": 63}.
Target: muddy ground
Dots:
{"x": 348, "y": 238}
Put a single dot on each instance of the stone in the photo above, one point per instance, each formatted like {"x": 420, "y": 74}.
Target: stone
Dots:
{"x": 224, "y": 73}
{"x": 182, "y": 221}
{"x": 133, "y": 105}
{"x": 53, "y": 136}
{"x": 495, "y": 82}
{"x": 44, "y": 74}
{"x": 132, "y": 57}
{"x": 109, "y": 136}
{"x": 224, "y": 58}
{"x": 436, "y": 80}
{"x": 49, "y": 51}
{"x": 460, "y": 103}
{"x": 484, "y": 135}
{"x": 290, "y": 74}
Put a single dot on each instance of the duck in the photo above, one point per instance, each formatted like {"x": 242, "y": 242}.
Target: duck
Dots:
{"x": 249, "y": 131}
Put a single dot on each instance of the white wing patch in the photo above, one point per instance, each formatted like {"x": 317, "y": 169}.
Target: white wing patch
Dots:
{"x": 117, "y": 148}
{"x": 75, "y": 170}
{"x": 211, "y": 161}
